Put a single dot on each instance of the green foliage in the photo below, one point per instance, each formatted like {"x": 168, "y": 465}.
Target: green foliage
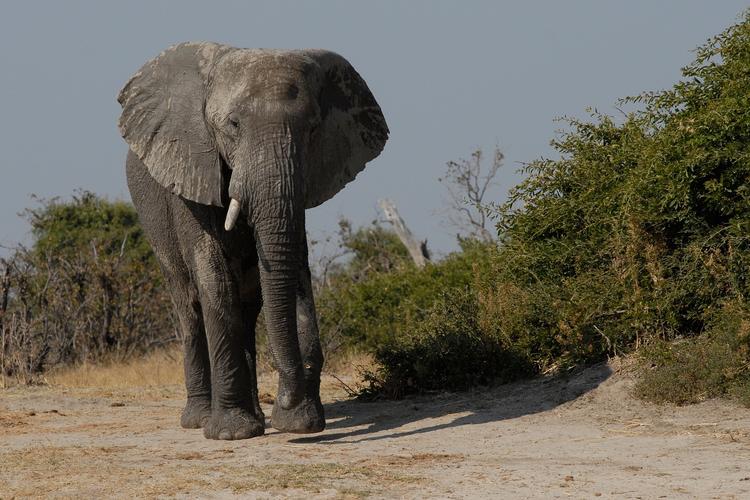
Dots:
{"x": 368, "y": 310}
{"x": 88, "y": 288}
{"x": 447, "y": 350}
{"x": 64, "y": 228}
{"x": 373, "y": 249}
{"x": 717, "y": 363}
{"x": 638, "y": 234}
{"x": 428, "y": 328}
{"x": 639, "y": 231}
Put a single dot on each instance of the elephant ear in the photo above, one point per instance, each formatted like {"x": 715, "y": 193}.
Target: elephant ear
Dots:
{"x": 352, "y": 130}
{"x": 163, "y": 121}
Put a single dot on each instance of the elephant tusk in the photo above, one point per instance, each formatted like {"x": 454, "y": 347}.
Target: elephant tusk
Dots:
{"x": 232, "y": 214}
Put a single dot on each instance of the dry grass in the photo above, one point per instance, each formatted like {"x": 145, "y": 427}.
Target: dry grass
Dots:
{"x": 99, "y": 471}
{"x": 160, "y": 374}
{"x": 348, "y": 364}
{"x": 164, "y": 368}
{"x": 157, "y": 369}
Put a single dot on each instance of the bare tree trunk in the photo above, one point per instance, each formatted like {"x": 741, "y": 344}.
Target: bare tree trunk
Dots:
{"x": 417, "y": 249}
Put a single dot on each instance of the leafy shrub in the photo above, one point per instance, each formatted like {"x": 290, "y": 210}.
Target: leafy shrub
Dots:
{"x": 639, "y": 231}
{"x": 427, "y": 328}
{"x": 373, "y": 249}
{"x": 88, "y": 288}
{"x": 636, "y": 235}
{"x": 367, "y": 311}
{"x": 64, "y": 229}
{"x": 447, "y": 350}
{"x": 716, "y": 363}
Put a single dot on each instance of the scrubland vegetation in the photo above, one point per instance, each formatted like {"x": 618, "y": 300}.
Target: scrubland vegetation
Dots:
{"x": 88, "y": 289}
{"x": 636, "y": 238}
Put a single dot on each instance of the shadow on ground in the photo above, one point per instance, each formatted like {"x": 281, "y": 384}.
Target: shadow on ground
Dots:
{"x": 471, "y": 408}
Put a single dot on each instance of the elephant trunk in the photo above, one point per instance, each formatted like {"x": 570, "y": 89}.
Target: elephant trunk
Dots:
{"x": 271, "y": 193}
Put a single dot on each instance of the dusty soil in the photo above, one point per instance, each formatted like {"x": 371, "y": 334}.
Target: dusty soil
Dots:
{"x": 582, "y": 436}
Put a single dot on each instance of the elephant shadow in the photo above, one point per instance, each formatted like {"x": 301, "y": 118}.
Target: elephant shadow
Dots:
{"x": 355, "y": 421}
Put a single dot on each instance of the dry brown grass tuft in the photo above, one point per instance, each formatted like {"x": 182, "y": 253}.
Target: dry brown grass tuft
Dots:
{"x": 164, "y": 368}
{"x": 348, "y": 364}
{"x": 157, "y": 369}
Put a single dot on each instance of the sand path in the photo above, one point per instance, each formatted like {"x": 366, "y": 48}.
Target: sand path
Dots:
{"x": 581, "y": 437}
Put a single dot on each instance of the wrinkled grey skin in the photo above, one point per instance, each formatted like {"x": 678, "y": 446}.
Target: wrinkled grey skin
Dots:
{"x": 227, "y": 148}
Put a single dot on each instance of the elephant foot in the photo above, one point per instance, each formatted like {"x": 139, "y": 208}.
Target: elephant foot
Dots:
{"x": 305, "y": 418}
{"x": 196, "y": 413}
{"x": 233, "y": 423}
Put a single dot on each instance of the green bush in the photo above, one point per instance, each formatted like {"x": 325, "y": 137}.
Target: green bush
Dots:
{"x": 368, "y": 310}
{"x": 63, "y": 229}
{"x": 638, "y": 234}
{"x": 447, "y": 350}
{"x": 716, "y": 363}
{"x": 88, "y": 288}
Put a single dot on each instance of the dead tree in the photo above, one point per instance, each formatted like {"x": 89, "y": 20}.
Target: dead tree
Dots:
{"x": 417, "y": 249}
{"x": 467, "y": 186}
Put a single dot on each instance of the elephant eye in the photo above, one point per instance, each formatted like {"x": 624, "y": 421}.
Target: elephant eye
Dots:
{"x": 233, "y": 120}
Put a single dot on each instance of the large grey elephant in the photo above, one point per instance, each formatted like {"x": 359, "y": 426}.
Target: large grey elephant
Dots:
{"x": 228, "y": 147}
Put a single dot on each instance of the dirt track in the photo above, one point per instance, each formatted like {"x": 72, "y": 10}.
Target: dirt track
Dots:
{"x": 581, "y": 437}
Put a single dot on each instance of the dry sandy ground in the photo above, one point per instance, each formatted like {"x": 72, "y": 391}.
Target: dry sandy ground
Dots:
{"x": 581, "y": 437}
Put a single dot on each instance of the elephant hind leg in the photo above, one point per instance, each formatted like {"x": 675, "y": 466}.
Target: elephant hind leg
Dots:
{"x": 196, "y": 361}
{"x": 197, "y": 371}
{"x": 157, "y": 211}
{"x": 197, "y": 366}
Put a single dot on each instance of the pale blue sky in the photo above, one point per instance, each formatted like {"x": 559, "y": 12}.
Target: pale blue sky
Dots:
{"x": 450, "y": 77}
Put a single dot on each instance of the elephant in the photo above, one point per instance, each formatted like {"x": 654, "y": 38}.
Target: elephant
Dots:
{"x": 227, "y": 148}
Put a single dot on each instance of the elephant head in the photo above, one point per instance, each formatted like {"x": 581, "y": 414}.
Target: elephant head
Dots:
{"x": 264, "y": 133}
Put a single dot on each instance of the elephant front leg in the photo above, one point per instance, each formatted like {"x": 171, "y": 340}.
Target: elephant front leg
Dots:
{"x": 308, "y": 416}
{"x": 233, "y": 414}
